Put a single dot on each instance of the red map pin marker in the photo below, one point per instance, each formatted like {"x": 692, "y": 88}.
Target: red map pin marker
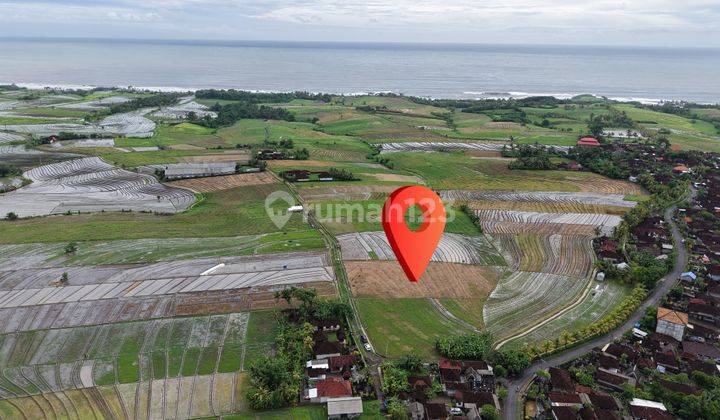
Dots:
{"x": 413, "y": 249}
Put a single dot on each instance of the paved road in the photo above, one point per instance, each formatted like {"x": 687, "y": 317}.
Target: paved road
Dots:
{"x": 510, "y": 409}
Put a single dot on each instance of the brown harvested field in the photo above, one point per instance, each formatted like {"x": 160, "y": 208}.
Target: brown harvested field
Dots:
{"x": 483, "y": 153}
{"x": 226, "y": 182}
{"x": 393, "y": 177}
{"x": 217, "y": 157}
{"x": 385, "y": 279}
{"x": 600, "y": 184}
{"x": 185, "y": 147}
{"x": 292, "y": 163}
{"x": 547, "y": 207}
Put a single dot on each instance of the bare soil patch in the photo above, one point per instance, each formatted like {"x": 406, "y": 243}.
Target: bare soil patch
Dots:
{"x": 385, "y": 279}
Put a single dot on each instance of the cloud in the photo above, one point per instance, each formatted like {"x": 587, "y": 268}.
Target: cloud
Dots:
{"x": 592, "y": 21}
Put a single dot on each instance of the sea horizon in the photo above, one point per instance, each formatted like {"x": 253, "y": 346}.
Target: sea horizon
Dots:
{"x": 644, "y": 74}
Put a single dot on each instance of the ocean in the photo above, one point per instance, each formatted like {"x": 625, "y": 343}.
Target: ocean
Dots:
{"x": 434, "y": 70}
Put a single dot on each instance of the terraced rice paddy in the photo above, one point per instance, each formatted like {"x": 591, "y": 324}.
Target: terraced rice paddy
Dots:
{"x": 226, "y": 182}
{"x": 597, "y": 303}
{"x": 91, "y": 185}
{"x": 571, "y": 198}
{"x": 184, "y": 107}
{"x": 489, "y": 218}
{"x": 546, "y": 237}
{"x": 522, "y": 299}
{"x": 133, "y": 124}
{"x": 9, "y": 137}
{"x": 569, "y": 255}
{"x": 452, "y": 248}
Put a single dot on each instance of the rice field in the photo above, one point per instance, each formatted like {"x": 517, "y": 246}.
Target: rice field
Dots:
{"x": 523, "y": 298}
{"x": 605, "y": 223}
{"x": 447, "y": 146}
{"x": 226, "y": 213}
{"x": 597, "y": 303}
{"x": 397, "y": 327}
{"x": 91, "y": 185}
{"x": 568, "y": 255}
{"x": 32, "y": 299}
{"x": 225, "y": 182}
{"x": 571, "y": 199}
{"x": 47, "y": 255}
{"x": 385, "y": 279}
{"x": 182, "y": 398}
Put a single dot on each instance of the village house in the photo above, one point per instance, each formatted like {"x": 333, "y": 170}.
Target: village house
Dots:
{"x": 331, "y": 387}
{"x": 671, "y": 323}
{"x": 327, "y": 349}
{"x": 648, "y": 410}
{"x": 700, "y": 351}
{"x": 588, "y": 142}
{"x": 436, "y": 411}
{"x": 344, "y": 408}
{"x": 701, "y": 310}
{"x": 613, "y": 380}
{"x": 559, "y": 399}
{"x": 197, "y": 170}
{"x": 681, "y": 169}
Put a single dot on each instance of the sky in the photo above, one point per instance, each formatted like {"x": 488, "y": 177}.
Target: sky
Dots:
{"x": 693, "y": 23}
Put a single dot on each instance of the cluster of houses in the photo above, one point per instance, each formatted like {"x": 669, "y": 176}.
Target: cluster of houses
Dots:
{"x": 467, "y": 386}
{"x": 681, "y": 342}
{"x": 653, "y": 236}
{"x": 302, "y": 175}
{"x": 333, "y": 373}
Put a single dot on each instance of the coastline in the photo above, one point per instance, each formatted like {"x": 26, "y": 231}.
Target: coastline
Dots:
{"x": 468, "y": 95}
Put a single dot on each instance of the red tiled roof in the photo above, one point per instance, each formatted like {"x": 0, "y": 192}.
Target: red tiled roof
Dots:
{"x": 649, "y": 413}
{"x": 559, "y": 397}
{"x": 560, "y": 379}
{"x": 588, "y": 141}
{"x": 449, "y": 364}
{"x": 341, "y": 362}
{"x": 564, "y": 413}
{"x": 334, "y": 387}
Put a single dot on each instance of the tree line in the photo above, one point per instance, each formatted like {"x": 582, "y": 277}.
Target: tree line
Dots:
{"x": 260, "y": 97}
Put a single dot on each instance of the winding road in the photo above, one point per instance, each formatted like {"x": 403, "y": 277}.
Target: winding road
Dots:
{"x": 517, "y": 386}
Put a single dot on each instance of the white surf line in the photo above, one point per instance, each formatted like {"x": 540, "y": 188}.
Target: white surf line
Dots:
{"x": 213, "y": 269}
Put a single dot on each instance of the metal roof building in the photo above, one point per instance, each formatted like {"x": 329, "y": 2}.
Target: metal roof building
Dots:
{"x": 198, "y": 170}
